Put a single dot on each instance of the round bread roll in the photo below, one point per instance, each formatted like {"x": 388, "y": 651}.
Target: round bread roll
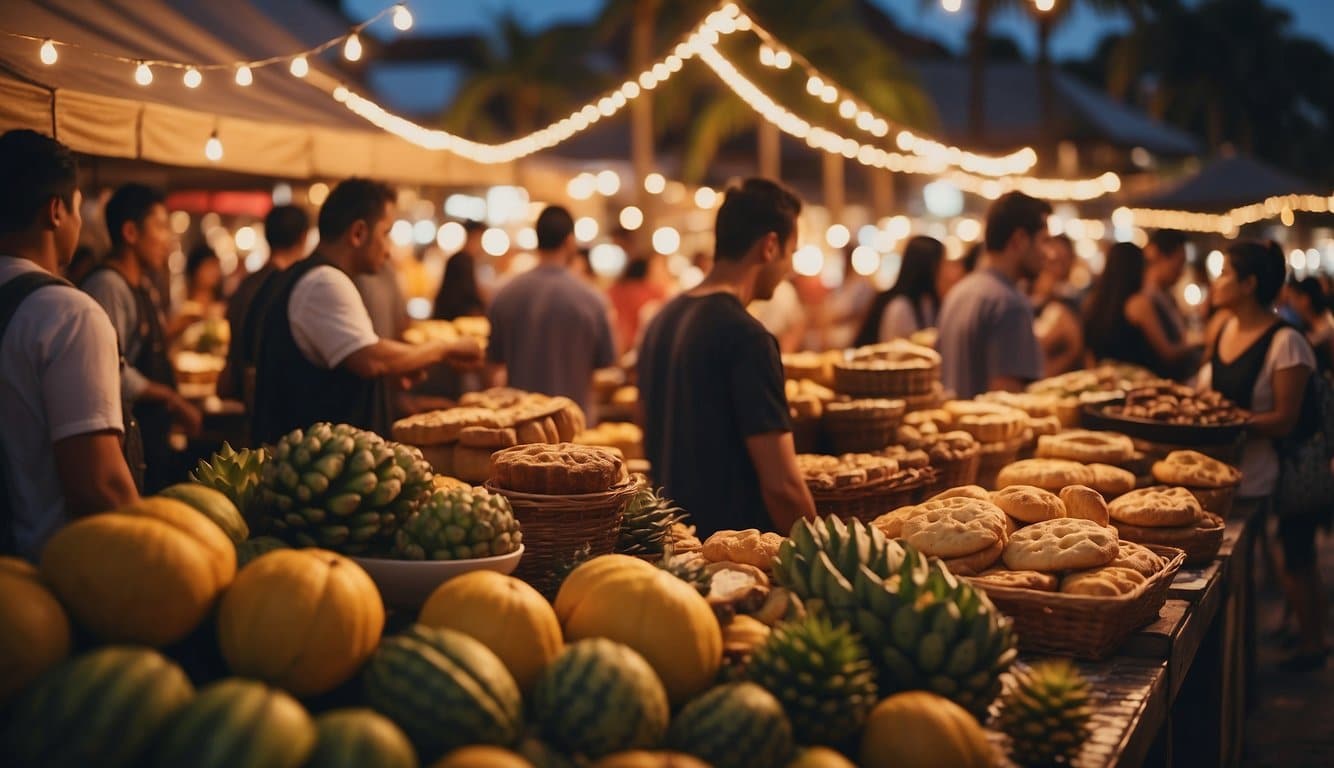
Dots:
{"x": 1063, "y": 544}
{"x": 1195, "y": 470}
{"x": 1103, "y": 582}
{"x": 963, "y": 492}
{"x": 1156, "y": 507}
{"x": 971, "y": 565}
{"x": 1029, "y": 504}
{"x": 1139, "y": 558}
{"x": 1111, "y": 481}
{"x": 1085, "y": 503}
{"x": 955, "y": 527}
{"x": 1001, "y": 577}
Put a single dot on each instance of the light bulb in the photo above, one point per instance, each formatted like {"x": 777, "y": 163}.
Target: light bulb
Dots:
{"x": 193, "y": 78}
{"x": 300, "y": 67}
{"x": 213, "y": 148}
{"x": 142, "y": 74}
{"x": 952, "y": 6}
{"x": 48, "y": 53}
{"x": 352, "y": 48}
{"x": 402, "y": 18}
{"x": 340, "y": 93}
{"x": 1044, "y": 5}
{"x": 244, "y": 76}
{"x": 782, "y": 60}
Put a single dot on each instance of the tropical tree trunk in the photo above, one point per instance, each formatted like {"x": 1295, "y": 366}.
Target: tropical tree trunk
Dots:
{"x": 641, "y": 115}
{"x": 769, "y": 144}
{"x": 977, "y": 68}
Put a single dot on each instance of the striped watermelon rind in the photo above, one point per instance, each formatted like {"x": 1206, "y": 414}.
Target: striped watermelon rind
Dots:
{"x": 598, "y": 697}
{"x": 237, "y": 722}
{"x": 360, "y": 738}
{"x": 103, "y": 708}
{"x": 445, "y": 690}
{"x": 739, "y": 725}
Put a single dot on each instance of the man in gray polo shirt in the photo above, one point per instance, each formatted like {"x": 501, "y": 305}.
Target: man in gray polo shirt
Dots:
{"x": 550, "y": 331}
{"x": 986, "y": 324}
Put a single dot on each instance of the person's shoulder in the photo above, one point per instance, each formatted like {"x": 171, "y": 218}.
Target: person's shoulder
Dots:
{"x": 1292, "y": 344}
{"x": 104, "y": 279}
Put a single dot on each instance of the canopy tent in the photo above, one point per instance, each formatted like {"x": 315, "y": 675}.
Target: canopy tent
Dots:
{"x": 279, "y": 126}
{"x": 1228, "y": 182}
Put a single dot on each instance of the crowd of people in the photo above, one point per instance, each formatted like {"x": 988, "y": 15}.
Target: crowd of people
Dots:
{"x": 88, "y": 394}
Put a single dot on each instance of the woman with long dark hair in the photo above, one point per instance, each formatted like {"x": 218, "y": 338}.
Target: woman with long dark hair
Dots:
{"x": 1264, "y": 366}
{"x": 911, "y": 304}
{"x": 1109, "y": 334}
{"x": 1311, "y": 304}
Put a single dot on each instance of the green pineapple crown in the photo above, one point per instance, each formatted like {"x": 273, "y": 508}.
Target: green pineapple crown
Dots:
{"x": 235, "y": 474}
{"x": 1046, "y": 711}
{"x": 691, "y": 570}
{"x": 646, "y": 522}
{"x": 823, "y": 676}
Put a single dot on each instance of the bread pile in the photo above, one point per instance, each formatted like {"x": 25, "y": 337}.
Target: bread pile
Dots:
{"x": 1056, "y": 474}
{"x": 423, "y": 331}
{"x": 1072, "y": 391}
{"x": 806, "y": 398}
{"x": 622, "y": 435}
{"x": 563, "y": 469}
{"x": 1168, "y": 516}
{"x": 829, "y": 473}
{"x": 898, "y": 369}
{"x": 459, "y": 441}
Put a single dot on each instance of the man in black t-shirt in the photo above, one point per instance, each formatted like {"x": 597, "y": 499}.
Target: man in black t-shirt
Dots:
{"x": 716, "y": 424}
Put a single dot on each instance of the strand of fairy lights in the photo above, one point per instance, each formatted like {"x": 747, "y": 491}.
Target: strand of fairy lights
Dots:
{"x": 776, "y": 55}
{"x": 1283, "y": 207}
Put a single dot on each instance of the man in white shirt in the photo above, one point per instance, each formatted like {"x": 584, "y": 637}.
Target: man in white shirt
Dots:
{"x": 320, "y": 358}
{"x": 60, "y": 448}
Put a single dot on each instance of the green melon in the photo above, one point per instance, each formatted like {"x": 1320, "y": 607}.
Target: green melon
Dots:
{"x": 237, "y": 722}
{"x": 102, "y": 708}
{"x": 252, "y": 548}
{"x": 445, "y": 690}
{"x": 359, "y": 738}
{"x": 211, "y": 504}
{"x": 739, "y": 725}
{"x": 598, "y": 697}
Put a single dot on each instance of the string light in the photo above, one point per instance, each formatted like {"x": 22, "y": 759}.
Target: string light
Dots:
{"x": 48, "y": 53}
{"x": 631, "y": 218}
{"x": 402, "y": 18}
{"x": 951, "y": 6}
{"x": 352, "y": 48}
{"x": 244, "y": 76}
{"x": 299, "y": 66}
{"x": 655, "y": 183}
{"x": 213, "y": 148}
{"x": 143, "y": 75}
{"x": 1043, "y": 6}
{"x": 192, "y": 78}
{"x": 1229, "y": 223}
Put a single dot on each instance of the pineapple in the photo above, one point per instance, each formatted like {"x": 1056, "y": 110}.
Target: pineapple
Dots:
{"x": 823, "y": 676}
{"x": 646, "y": 523}
{"x": 236, "y": 475}
{"x": 688, "y": 569}
{"x": 1046, "y": 712}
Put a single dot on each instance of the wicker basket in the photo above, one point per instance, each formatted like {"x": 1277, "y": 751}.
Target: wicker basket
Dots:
{"x": 953, "y": 473}
{"x": 1201, "y": 543}
{"x": 1216, "y": 500}
{"x": 1083, "y": 626}
{"x": 869, "y": 501}
{"x": 556, "y": 527}
{"x": 994, "y": 458}
{"x": 931, "y": 400}
{"x": 859, "y": 432}
{"x": 859, "y": 380}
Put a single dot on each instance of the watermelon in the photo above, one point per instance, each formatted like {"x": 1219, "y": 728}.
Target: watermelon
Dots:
{"x": 211, "y": 504}
{"x": 739, "y": 725}
{"x": 102, "y": 708}
{"x": 598, "y": 697}
{"x": 445, "y": 690}
{"x": 252, "y": 548}
{"x": 236, "y": 722}
{"x": 359, "y": 738}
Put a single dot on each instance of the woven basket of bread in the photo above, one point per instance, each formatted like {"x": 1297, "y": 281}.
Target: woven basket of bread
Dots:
{"x": 862, "y": 426}
{"x": 1083, "y": 626}
{"x": 867, "y": 502}
{"x": 894, "y": 369}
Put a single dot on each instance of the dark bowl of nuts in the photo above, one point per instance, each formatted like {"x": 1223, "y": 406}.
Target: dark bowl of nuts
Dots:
{"x": 1170, "y": 413}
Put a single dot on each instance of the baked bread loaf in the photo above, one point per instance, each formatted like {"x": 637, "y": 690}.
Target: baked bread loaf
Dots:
{"x": 488, "y": 437}
{"x": 1028, "y": 504}
{"x": 1111, "y": 481}
{"x": 891, "y": 523}
{"x": 1064, "y": 544}
{"x": 558, "y": 470}
{"x": 952, "y": 528}
{"x": 1084, "y": 503}
{"x": 1086, "y": 446}
{"x": 1002, "y": 577}
{"x": 1103, "y": 582}
{"x": 1195, "y": 470}
{"x": 963, "y": 492}
{"x": 1156, "y": 507}
{"x": 1047, "y": 474}
{"x": 1182, "y": 537}
{"x": 1139, "y": 558}
{"x": 971, "y": 565}
{"x": 748, "y": 546}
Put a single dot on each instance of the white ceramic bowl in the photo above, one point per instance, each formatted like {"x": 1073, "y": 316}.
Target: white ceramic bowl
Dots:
{"x": 407, "y": 583}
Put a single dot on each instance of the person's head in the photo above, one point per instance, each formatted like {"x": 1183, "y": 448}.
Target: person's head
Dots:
{"x": 555, "y": 232}
{"x": 1060, "y": 258}
{"x": 1253, "y": 272}
{"x": 971, "y": 257}
{"x": 1017, "y": 235}
{"x": 136, "y": 217}
{"x": 355, "y": 219}
{"x": 920, "y": 269}
{"x": 1309, "y": 298}
{"x": 40, "y": 199}
{"x": 1165, "y": 255}
{"x": 285, "y": 229}
{"x": 472, "y": 234}
{"x": 1122, "y": 277}
{"x": 203, "y": 270}
{"x": 757, "y": 226}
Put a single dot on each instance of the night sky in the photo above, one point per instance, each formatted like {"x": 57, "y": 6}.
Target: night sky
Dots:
{"x": 428, "y": 89}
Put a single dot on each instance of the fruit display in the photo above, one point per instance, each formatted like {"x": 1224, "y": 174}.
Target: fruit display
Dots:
{"x": 822, "y": 676}
{"x": 260, "y": 545}
{"x": 599, "y": 697}
{"x": 820, "y": 757}
{"x": 342, "y": 488}
{"x": 647, "y": 523}
{"x": 645, "y": 759}
{"x": 737, "y": 725}
{"x": 457, "y": 525}
{"x": 34, "y": 630}
{"x": 148, "y": 572}
{"x": 359, "y": 738}
{"x": 104, "y": 708}
{"x": 301, "y": 619}
{"x": 212, "y": 504}
{"x": 671, "y": 625}
{"x": 235, "y": 474}
{"x": 1046, "y": 711}
{"x": 504, "y": 614}
{"x": 918, "y": 729}
{"x": 236, "y": 722}
{"x": 444, "y": 689}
